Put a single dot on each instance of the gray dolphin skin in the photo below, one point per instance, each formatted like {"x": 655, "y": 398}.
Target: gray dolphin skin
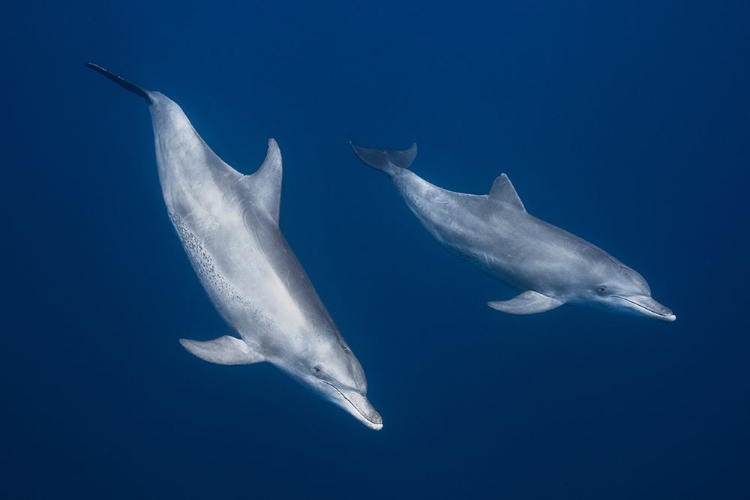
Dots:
{"x": 228, "y": 224}
{"x": 549, "y": 266}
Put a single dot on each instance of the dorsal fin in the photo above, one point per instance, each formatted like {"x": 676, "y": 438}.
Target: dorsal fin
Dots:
{"x": 265, "y": 184}
{"x": 503, "y": 190}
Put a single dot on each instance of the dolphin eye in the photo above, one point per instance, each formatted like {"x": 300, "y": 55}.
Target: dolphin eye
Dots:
{"x": 601, "y": 289}
{"x": 316, "y": 369}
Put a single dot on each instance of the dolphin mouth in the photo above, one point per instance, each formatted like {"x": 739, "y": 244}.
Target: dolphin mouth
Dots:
{"x": 649, "y": 307}
{"x": 373, "y": 420}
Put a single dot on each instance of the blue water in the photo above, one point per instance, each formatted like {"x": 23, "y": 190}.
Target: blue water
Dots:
{"x": 626, "y": 124}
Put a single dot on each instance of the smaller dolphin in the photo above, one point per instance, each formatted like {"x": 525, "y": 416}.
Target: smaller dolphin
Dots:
{"x": 228, "y": 224}
{"x": 550, "y": 266}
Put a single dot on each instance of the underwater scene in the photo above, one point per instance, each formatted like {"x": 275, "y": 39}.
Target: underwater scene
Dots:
{"x": 372, "y": 250}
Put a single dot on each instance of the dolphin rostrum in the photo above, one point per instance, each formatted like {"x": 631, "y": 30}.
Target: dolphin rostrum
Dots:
{"x": 549, "y": 266}
{"x": 228, "y": 224}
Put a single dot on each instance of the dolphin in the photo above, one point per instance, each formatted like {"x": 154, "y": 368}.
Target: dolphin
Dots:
{"x": 549, "y": 266}
{"x": 228, "y": 224}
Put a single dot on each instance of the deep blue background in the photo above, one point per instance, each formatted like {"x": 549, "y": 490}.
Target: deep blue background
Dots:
{"x": 627, "y": 124}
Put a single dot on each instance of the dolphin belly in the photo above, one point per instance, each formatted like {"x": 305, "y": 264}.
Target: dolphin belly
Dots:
{"x": 247, "y": 289}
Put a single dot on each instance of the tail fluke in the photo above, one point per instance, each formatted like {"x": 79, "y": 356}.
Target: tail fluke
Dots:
{"x": 387, "y": 160}
{"x": 121, "y": 81}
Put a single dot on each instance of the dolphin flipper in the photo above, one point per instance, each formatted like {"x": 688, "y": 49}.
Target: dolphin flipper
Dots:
{"x": 529, "y": 302}
{"x": 225, "y": 350}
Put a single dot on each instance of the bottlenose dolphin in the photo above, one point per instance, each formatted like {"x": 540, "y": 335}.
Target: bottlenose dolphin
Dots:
{"x": 228, "y": 224}
{"x": 550, "y": 266}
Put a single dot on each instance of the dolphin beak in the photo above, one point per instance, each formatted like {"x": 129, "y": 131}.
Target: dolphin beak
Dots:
{"x": 358, "y": 405}
{"x": 646, "y": 306}
{"x": 365, "y": 412}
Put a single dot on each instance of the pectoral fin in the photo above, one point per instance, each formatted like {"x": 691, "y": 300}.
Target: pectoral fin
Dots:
{"x": 529, "y": 302}
{"x": 225, "y": 350}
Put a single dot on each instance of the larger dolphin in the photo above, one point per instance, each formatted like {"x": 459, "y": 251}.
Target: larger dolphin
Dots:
{"x": 228, "y": 224}
{"x": 550, "y": 266}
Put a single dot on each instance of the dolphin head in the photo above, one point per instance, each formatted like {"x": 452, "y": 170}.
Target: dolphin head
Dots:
{"x": 620, "y": 288}
{"x": 337, "y": 375}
